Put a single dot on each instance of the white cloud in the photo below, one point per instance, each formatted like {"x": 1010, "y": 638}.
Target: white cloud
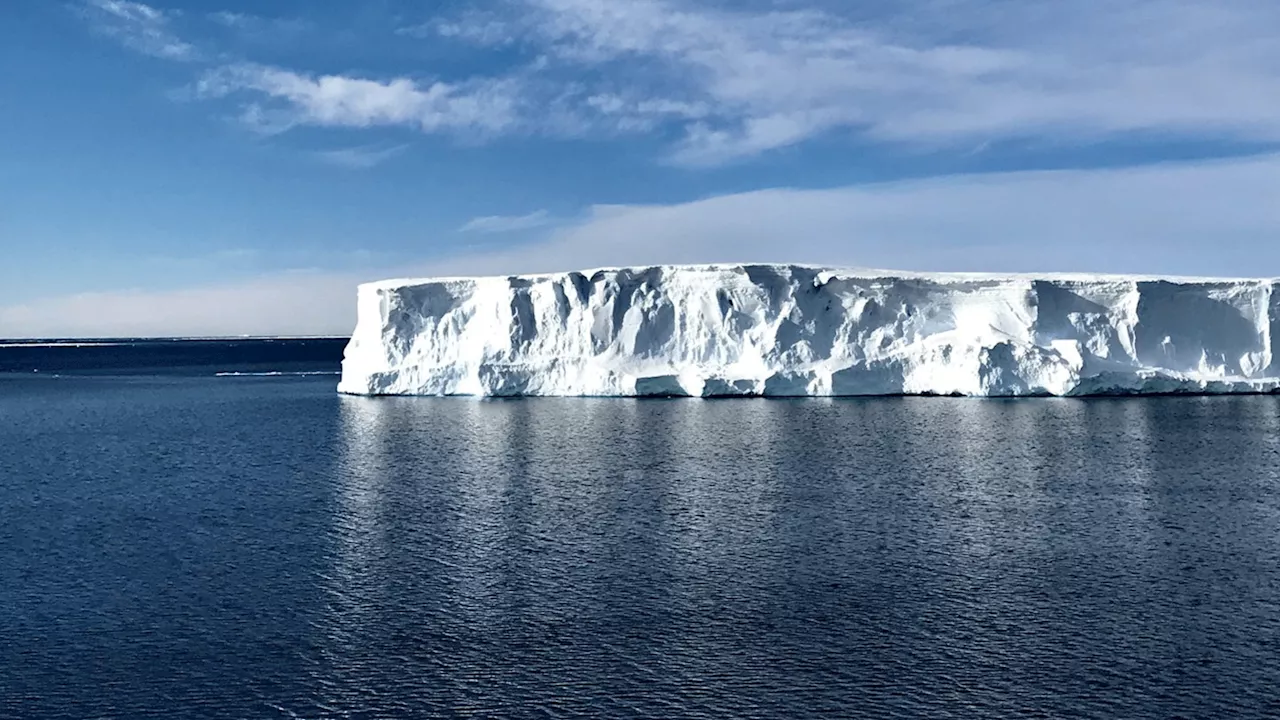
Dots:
{"x": 939, "y": 71}
{"x": 476, "y": 27}
{"x": 261, "y": 29}
{"x": 507, "y": 223}
{"x": 230, "y": 19}
{"x": 735, "y": 80}
{"x": 360, "y": 157}
{"x": 1217, "y": 218}
{"x": 140, "y": 27}
{"x": 341, "y": 101}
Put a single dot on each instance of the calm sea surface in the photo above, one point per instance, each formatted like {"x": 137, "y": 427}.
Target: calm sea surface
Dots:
{"x": 177, "y": 543}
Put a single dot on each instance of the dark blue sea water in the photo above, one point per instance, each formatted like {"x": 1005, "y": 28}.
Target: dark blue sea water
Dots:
{"x": 172, "y": 357}
{"x": 184, "y": 545}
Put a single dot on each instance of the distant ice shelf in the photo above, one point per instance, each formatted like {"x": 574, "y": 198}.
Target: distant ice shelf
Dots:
{"x": 791, "y": 330}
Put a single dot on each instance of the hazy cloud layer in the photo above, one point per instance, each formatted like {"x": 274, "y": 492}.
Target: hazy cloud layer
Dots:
{"x": 1202, "y": 217}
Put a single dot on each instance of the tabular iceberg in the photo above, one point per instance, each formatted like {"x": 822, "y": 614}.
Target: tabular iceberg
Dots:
{"x": 789, "y": 330}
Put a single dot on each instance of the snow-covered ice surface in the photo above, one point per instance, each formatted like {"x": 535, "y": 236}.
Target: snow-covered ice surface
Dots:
{"x": 789, "y": 330}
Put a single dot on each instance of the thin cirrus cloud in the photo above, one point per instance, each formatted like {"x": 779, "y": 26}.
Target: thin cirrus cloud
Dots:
{"x": 258, "y": 26}
{"x": 508, "y": 223}
{"x": 481, "y": 28}
{"x": 359, "y": 157}
{"x": 1156, "y": 219}
{"x": 140, "y": 27}
{"x": 733, "y": 82}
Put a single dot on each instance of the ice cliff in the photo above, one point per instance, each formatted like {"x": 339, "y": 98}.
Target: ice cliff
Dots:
{"x": 787, "y": 330}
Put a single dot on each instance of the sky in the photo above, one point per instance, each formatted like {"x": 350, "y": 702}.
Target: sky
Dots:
{"x": 236, "y": 167}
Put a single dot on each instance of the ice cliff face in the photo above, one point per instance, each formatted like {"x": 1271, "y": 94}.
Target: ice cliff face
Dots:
{"x": 787, "y": 330}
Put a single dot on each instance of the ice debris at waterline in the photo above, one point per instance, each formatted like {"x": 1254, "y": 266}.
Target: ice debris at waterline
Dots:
{"x": 788, "y": 330}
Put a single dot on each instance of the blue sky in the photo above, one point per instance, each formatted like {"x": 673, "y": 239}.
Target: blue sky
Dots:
{"x": 229, "y": 167}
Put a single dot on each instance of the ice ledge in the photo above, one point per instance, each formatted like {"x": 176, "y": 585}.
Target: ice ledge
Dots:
{"x": 793, "y": 330}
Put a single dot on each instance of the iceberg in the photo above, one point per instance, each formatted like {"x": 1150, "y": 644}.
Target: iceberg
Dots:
{"x": 793, "y": 330}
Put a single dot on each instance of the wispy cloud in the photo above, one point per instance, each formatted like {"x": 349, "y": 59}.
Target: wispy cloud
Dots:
{"x": 259, "y": 28}
{"x": 1039, "y": 68}
{"x": 140, "y": 27}
{"x": 230, "y": 19}
{"x": 1149, "y": 220}
{"x": 508, "y": 223}
{"x": 341, "y": 101}
{"x": 481, "y": 28}
{"x": 360, "y": 157}
{"x": 733, "y": 81}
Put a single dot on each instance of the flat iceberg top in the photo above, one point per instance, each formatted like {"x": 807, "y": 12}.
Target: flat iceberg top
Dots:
{"x": 801, "y": 330}
{"x": 838, "y": 272}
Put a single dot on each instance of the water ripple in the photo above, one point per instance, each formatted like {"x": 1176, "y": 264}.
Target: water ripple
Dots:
{"x": 269, "y": 550}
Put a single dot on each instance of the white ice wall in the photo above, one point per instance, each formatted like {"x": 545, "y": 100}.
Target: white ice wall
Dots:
{"x": 795, "y": 330}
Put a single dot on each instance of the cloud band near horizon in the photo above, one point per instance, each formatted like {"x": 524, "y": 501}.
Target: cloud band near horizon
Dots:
{"x": 1201, "y": 215}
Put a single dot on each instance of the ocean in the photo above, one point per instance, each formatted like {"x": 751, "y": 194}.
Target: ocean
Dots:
{"x": 206, "y": 529}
